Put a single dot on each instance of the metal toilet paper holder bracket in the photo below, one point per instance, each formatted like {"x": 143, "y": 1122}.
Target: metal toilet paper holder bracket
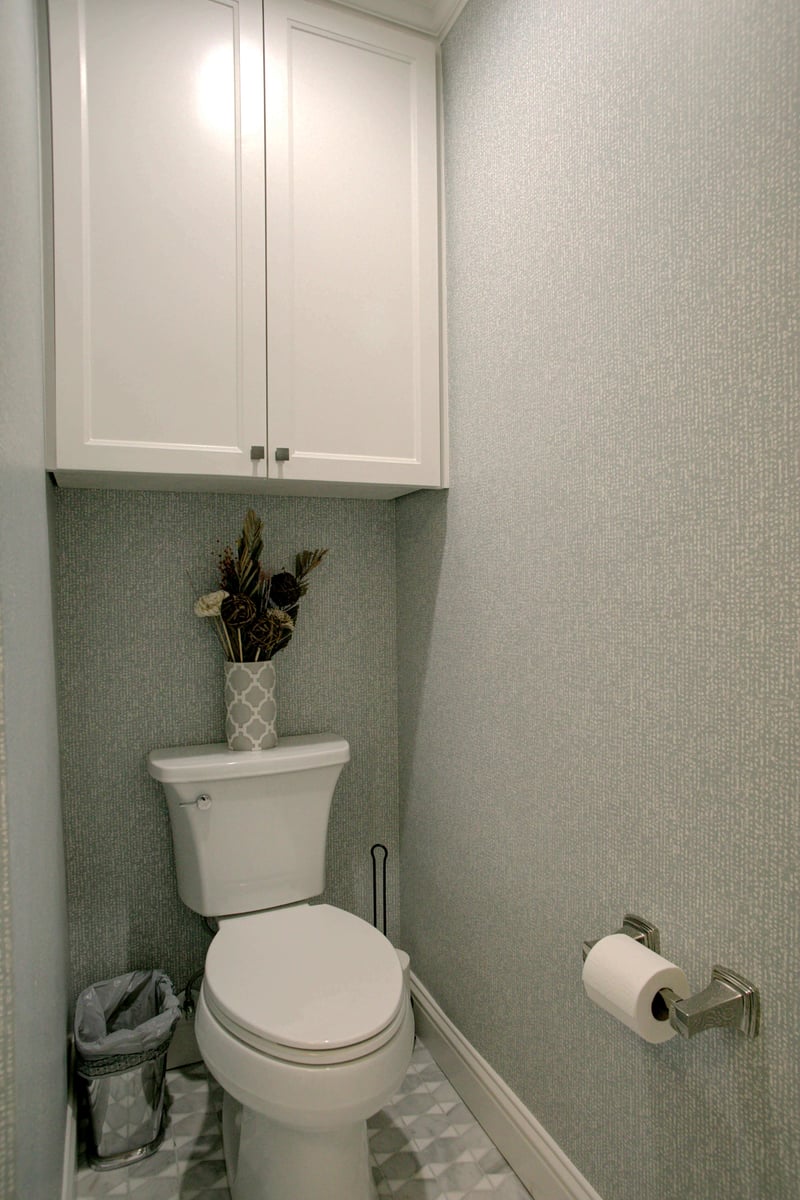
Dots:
{"x": 636, "y": 928}
{"x": 730, "y": 1001}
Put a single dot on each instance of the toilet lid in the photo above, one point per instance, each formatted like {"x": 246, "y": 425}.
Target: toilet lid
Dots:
{"x": 304, "y": 982}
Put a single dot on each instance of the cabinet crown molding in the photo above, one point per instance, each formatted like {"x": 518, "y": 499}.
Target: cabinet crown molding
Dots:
{"x": 428, "y": 16}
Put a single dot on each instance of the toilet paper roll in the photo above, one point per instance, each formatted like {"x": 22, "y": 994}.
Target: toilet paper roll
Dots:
{"x": 623, "y": 977}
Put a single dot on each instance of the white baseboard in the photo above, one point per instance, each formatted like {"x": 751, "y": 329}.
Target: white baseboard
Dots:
{"x": 530, "y": 1151}
{"x": 70, "y": 1162}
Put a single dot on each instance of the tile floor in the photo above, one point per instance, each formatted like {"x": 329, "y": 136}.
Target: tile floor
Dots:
{"x": 425, "y": 1145}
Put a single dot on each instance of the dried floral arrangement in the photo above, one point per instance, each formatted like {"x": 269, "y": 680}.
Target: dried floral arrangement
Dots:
{"x": 253, "y": 612}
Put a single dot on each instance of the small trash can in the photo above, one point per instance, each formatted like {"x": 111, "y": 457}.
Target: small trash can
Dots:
{"x": 123, "y": 1028}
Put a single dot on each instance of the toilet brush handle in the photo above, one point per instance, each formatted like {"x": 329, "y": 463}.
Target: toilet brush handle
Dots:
{"x": 378, "y": 847}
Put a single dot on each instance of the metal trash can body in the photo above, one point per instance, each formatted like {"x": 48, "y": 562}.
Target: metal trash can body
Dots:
{"x": 134, "y": 1015}
{"x": 126, "y": 1108}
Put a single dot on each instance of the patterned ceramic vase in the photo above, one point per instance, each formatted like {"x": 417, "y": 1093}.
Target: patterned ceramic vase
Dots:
{"x": 250, "y": 708}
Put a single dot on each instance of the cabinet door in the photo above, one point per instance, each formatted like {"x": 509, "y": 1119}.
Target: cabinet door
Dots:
{"x": 158, "y": 163}
{"x": 352, "y": 248}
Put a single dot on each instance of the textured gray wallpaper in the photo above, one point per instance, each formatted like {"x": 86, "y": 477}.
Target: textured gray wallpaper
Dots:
{"x": 7, "y": 1123}
{"x": 598, "y": 626}
{"x": 138, "y": 670}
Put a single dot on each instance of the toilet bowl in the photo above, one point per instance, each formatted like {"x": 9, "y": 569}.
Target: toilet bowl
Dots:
{"x": 320, "y": 1149}
{"x": 304, "y": 1020}
{"x": 304, "y": 1015}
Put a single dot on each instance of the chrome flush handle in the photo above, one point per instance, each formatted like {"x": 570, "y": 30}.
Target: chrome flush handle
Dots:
{"x": 203, "y": 802}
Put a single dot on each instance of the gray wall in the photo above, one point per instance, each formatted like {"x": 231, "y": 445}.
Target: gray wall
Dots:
{"x": 598, "y": 626}
{"x": 138, "y": 670}
{"x": 7, "y": 1116}
{"x": 32, "y": 919}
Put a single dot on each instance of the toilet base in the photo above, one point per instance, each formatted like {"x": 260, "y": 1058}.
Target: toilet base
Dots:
{"x": 268, "y": 1161}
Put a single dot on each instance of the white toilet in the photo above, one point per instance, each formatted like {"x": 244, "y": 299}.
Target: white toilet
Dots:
{"x": 303, "y": 1015}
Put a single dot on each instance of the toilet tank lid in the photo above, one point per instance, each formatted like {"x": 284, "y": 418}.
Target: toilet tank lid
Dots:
{"x": 192, "y": 764}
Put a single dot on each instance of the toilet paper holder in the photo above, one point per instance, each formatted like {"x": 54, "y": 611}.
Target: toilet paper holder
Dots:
{"x": 730, "y": 1001}
{"x": 636, "y": 928}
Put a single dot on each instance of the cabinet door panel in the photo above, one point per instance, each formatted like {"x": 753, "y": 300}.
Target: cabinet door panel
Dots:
{"x": 158, "y": 198}
{"x": 352, "y": 245}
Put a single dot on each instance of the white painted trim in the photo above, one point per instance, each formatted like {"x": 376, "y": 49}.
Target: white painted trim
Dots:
{"x": 449, "y": 14}
{"x": 444, "y": 378}
{"x": 70, "y": 1161}
{"x": 530, "y": 1151}
{"x": 435, "y": 17}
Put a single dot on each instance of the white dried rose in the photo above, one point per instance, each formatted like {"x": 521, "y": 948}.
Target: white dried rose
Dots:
{"x": 209, "y": 605}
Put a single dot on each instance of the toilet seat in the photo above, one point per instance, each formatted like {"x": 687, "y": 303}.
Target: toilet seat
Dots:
{"x": 308, "y": 984}
{"x": 295, "y": 1054}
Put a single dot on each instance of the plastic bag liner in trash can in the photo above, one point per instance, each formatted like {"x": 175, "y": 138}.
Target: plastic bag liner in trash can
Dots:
{"x": 123, "y": 1028}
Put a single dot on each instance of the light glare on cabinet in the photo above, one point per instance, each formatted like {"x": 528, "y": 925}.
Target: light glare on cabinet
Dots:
{"x": 217, "y": 89}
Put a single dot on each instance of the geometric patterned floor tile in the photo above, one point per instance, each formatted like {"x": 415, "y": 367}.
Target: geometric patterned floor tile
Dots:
{"x": 424, "y": 1145}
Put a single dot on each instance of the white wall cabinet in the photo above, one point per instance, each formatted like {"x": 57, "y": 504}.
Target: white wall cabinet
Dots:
{"x": 246, "y": 248}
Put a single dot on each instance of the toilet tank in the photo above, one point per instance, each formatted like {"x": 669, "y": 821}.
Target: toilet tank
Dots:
{"x": 249, "y": 827}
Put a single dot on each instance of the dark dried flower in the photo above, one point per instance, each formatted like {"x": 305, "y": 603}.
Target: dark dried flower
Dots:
{"x": 270, "y": 631}
{"x": 237, "y": 611}
{"x": 284, "y": 590}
